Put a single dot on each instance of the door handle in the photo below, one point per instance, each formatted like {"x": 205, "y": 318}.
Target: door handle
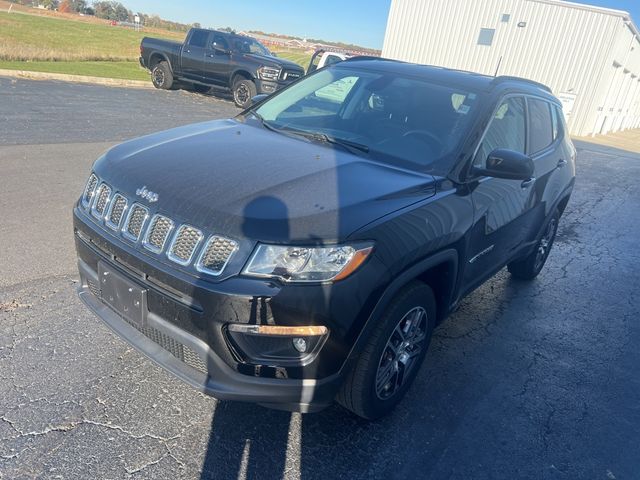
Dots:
{"x": 188, "y": 51}
{"x": 211, "y": 55}
{"x": 561, "y": 163}
{"x": 528, "y": 183}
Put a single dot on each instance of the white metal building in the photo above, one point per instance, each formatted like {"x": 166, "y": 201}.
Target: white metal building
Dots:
{"x": 589, "y": 56}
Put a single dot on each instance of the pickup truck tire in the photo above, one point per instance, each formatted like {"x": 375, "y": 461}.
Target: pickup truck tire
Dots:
{"x": 161, "y": 76}
{"x": 530, "y": 266}
{"x": 393, "y": 354}
{"x": 243, "y": 91}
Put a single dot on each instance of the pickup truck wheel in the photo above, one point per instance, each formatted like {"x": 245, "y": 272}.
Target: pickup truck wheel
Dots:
{"x": 243, "y": 91}
{"x": 161, "y": 76}
{"x": 393, "y": 354}
{"x": 530, "y": 266}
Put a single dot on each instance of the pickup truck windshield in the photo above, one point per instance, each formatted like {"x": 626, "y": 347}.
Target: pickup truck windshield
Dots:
{"x": 391, "y": 118}
{"x": 249, "y": 45}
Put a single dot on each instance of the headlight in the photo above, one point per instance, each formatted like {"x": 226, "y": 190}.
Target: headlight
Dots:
{"x": 269, "y": 73}
{"x": 306, "y": 264}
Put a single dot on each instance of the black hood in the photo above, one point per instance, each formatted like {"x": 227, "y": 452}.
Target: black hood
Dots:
{"x": 247, "y": 182}
{"x": 271, "y": 61}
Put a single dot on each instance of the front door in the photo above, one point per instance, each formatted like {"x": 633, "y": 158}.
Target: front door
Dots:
{"x": 218, "y": 63}
{"x": 500, "y": 206}
{"x": 193, "y": 55}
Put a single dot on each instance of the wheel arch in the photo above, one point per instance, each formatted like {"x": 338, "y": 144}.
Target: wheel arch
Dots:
{"x": 241, "y": 74}
{"x": 156, "y": 57}
{"x": 439, "y": 271}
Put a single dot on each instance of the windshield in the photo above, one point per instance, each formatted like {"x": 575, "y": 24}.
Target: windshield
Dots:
{"x": 396, "y": 119}
{"x": 250, "y": 45}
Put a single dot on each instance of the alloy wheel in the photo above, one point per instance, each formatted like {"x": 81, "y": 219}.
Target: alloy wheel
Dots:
{"x": 401, "y": 352}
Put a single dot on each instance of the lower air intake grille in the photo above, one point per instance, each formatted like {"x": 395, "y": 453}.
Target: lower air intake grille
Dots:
{"x": 216, "y": 255}
{"x": 158, "y": 233}
{"x": 176, "y": 348}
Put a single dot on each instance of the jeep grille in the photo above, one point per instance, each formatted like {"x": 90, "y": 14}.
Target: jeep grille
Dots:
{"x": 216, "y": 255}
{"x": 130, "y": 220}
{"x": 158, "y": 232}
{"x": 184, "y": 244}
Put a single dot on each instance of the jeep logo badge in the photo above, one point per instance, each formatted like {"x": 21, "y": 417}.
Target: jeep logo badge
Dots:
{"x": 147, "y": 194}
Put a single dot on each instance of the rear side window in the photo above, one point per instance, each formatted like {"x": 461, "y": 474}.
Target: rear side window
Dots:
{"x": 506, "y": 131}
{"x": 199, "y": 38}
{"x": 541, "y": 132}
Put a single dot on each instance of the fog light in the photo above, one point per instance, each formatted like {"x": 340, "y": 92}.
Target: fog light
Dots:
{"x": 276, "y": 345}
{"x": 300, "y": 344}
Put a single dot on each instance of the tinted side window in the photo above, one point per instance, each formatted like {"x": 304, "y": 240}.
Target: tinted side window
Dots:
{"x": 220, "y": 42}
{"x": 507, "y": 130}
{"x": 540, "y": 126}
{"x": 199, "y": 38}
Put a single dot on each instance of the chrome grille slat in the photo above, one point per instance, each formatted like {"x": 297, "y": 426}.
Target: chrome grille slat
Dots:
{"x": 157, "y": 233}
{"x": 136, "y": 219}
{"x": 120, "y": 214}
{"x": 101, "y": 201}
{"x": 184, "y": 244}
{"x": 216, "y": 254}
{"x": 116, "y": 211}
{"x": 89, "y": 190}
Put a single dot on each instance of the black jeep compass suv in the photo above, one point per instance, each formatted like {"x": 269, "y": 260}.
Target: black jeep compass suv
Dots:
{"x": 303, "y": 251}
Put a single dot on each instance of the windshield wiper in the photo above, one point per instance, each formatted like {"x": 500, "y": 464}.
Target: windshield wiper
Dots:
{"x": 352, "y": 147}
{"x": 263, "y": 122}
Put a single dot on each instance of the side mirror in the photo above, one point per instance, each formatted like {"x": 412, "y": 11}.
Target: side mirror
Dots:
{"x": 258, "y": 98}
{"x": 507, "y": 164}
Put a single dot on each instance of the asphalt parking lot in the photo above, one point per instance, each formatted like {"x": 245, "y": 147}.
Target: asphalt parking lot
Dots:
{"x": 525, "y": 380}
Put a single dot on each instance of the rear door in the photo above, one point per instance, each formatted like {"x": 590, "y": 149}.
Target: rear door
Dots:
{"x": 501, "y": 207}
{"x": 193, "y": 54}
{"x": 218, "y": 62}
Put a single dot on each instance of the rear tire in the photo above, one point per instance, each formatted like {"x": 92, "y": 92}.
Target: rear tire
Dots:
{"x": 393, "y": 354}
{"x": 530, "y": 266}
{"x": 243, "y": 91}
{"x": 161, "y": 76}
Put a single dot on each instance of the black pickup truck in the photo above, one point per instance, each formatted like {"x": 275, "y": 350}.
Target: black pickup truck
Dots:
{"x": 211, "y": 58}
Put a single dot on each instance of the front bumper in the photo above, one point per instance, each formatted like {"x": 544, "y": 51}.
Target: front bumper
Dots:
{"x": 193, "y": 361}
{"x": 268, "y": 86}
{"x": 187, "y": 318}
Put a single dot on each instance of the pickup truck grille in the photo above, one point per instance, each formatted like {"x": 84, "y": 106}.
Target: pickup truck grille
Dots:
{"x": 112, "y": 210}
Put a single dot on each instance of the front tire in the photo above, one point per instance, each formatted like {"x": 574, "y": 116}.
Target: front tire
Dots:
{"x": 161, "y": 76}
{"x": 530, "y": 266}
{"x": 243, "y": 91}
{"x": 393, "y": 354}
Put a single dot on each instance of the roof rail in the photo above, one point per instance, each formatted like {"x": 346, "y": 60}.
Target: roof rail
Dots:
{"x": 509, "y": 78}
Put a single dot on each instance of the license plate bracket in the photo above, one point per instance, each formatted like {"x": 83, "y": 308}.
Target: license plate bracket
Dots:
{"x": 122, "y": 295}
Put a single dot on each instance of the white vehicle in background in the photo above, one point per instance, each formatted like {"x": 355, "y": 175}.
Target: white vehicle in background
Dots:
{"x": 324, "y": 58}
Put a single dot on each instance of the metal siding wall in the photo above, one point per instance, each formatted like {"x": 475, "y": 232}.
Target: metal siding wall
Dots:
{"x": 571, "y": 49}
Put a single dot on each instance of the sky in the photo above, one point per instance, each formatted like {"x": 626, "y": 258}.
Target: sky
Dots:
{"x": 361, "y": 22}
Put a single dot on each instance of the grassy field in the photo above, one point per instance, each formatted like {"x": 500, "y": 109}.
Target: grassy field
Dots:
{"x": 81, "y": 47}
{"x": 121, "y": 70}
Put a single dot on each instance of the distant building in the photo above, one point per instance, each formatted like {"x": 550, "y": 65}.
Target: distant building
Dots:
{"x": 589, "y": 56}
